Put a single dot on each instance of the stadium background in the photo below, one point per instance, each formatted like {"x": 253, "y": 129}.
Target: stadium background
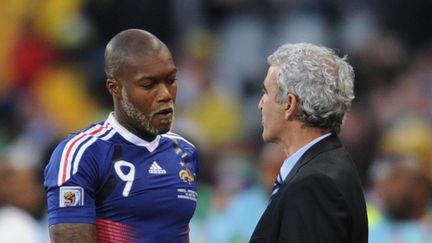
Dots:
{"x": 52, "y": 82}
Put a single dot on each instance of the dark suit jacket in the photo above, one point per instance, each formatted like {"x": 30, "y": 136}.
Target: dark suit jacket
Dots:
{"x": 321, "y": 200}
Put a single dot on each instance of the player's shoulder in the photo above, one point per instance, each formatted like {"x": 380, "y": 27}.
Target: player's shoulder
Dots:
{"x": 95, "y": 136}
{"x": 182, "y": 147}
{"x": 83, "y": 149}
{"x": 178, "y": 139}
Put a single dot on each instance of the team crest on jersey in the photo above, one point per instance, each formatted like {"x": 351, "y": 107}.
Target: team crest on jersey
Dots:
{"x": 71, "y": 196}
{"x": 186, "y": 175}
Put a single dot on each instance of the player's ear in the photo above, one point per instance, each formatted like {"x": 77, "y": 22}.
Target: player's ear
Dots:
{"x": 290, "y": 106}
{"x": 114, "y": 87}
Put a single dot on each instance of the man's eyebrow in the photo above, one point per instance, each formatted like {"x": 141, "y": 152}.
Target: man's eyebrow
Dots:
{"x": 150, "y": 77}
{"x": 174, "y": 71}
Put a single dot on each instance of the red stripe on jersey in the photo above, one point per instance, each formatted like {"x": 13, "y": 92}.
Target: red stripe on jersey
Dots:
{"x": 113, "y": 232}
{"x": 69, "y": 149}
{"x": 67, "y": 157}
{"x": 186, "y": 239}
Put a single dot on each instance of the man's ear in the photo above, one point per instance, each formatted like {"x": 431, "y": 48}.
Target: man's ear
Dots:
{"x": 114, "y": 87}
{"x": 290, "y": 107}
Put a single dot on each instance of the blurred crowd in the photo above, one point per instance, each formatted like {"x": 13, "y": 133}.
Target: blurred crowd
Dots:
{"x": 52, "y": 83}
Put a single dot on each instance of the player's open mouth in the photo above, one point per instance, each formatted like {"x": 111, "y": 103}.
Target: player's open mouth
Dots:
{"x": 165, "y": 113}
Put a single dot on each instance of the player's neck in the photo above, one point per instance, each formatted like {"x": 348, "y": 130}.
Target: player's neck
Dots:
{"x": 134, "y": 128}
{"x": 143, "y": 135}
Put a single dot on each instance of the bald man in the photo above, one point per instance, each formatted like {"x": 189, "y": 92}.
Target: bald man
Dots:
{"x": 128, "y": 178}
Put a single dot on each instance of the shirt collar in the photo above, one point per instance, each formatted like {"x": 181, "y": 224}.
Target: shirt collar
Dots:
{"x": 289, "y": 162}
{"x": 126, "y": 134}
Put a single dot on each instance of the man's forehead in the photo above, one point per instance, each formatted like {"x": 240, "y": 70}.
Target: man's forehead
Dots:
{"x": 273, "y": 69}
{"x": 271, "y": 74}
{"x": 150, "y": 68}
{"x": 147, "y": 59}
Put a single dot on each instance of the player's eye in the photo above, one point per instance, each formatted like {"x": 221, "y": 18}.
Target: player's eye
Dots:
{"x": 171, "y": 80}
{"x": 148, "y": 85}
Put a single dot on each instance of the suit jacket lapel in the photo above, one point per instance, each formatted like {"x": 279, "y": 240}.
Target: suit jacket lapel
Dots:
{"x": 328, "y": 143}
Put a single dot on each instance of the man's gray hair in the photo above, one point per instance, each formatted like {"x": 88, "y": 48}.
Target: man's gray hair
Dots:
{"x": 322, "y": 81}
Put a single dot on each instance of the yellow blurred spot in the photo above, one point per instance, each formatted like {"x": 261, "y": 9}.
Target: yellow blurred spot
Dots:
{"x": 218, "y": 116}
{"x": 374, "y": 215}
{"x": 56, "y": 20}
{"x": 410, "y": 135}
{"x": 61, "y": 92}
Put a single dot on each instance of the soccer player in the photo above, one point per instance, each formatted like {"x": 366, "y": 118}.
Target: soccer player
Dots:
{"x": 128, "y": 178}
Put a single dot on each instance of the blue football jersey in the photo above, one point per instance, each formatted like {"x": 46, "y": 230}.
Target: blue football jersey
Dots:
{"x": 133, "y": 190}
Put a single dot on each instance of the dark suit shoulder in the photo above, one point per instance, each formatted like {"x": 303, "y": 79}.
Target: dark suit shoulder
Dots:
{"x": 321, "y": 200}
{"x": 336, "y": 164}
{"x": 331, "y": 169}
{"x": 317, "y": 186}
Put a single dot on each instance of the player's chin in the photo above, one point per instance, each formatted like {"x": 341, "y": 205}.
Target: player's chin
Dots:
{"x": 163, "y": 126}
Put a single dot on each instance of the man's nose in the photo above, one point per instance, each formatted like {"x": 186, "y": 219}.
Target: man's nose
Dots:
{"x": 164, "y": 92}
{"x": 260, "y": 104}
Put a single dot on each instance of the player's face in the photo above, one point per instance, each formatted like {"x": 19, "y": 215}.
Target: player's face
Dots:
{"x": 272, "y": 113}
{"x": 149, "y": 92}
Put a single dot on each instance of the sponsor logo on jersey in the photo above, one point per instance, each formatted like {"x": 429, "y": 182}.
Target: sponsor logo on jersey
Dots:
{"x": 156, "y": 169}
{"x": 71, "y": 196}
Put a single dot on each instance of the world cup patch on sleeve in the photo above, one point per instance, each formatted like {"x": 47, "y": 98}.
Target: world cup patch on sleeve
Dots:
{"x": 71, "y": 196}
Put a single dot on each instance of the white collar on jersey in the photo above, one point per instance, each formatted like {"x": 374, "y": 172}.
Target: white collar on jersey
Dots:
{"x": 151, "y": 146}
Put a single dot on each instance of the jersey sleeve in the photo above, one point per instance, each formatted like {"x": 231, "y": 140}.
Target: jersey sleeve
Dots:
{"x": 71, "y": 181}
{"x": 192, "y": 153}
{"x": 187, "y": 147}
{"x": 195, "y": 160}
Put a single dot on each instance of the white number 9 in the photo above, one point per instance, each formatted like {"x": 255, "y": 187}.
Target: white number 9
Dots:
{"x": 128, "y": 178}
